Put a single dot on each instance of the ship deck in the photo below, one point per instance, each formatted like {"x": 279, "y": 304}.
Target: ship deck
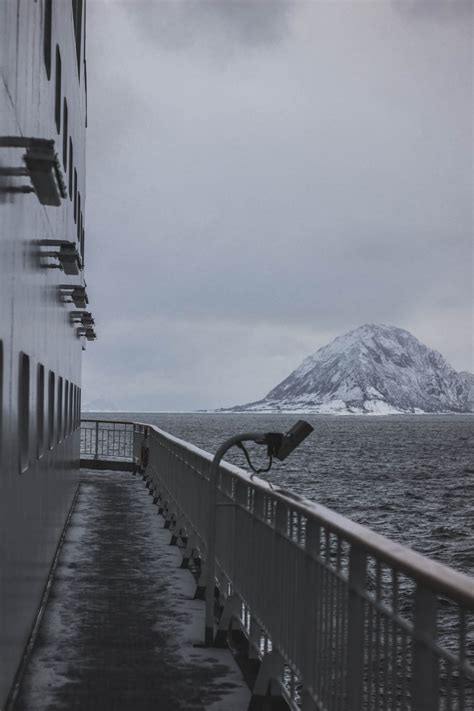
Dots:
{"x": 120, "y": 626}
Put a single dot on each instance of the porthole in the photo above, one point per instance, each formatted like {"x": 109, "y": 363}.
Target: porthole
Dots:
{"x": 65, "y": 136}
{"x": 57, "y": 104}
{"x": 66, "y": 409}
{"x": 71, "y": 158}
{"x": 1, "y": 400}
{"x": 75, "y": 195}
{"x": 48, "y": 21}
{"x": 59, "y": 411}
{"x": 24, "y": 412}
{"x": 79, "y": 217}
{"x": 71, "y": 409}
{"x": 40, "y": 411}
{"x": 51, "y": 409}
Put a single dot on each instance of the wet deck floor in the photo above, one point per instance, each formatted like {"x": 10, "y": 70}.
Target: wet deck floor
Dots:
{"x": 120, "y": 625}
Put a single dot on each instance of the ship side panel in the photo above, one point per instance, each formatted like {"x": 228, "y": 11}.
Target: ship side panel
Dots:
{"x": 40, "y": 350}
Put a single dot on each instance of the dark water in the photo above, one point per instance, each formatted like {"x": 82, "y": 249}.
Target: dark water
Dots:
{"x": 410, "y": 478}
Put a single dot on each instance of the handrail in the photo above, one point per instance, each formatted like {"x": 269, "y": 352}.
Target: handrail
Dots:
{"x": 457, "y": 585}
{"x": 340, "y": 616}
{"x": 109, "y": 422}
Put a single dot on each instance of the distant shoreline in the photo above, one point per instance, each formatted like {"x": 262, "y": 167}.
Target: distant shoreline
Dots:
{"x": 275, "y": 412}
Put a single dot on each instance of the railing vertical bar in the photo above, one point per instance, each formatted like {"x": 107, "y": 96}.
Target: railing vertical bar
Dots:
{"x": 356, "y": 632}
{"x": 394, "y": 630}
{"x": 404, "y": 670}
{"x": 378, "y": 596}
{"x": 449, "y": 686}
{"x": 97, "y": 440}
{"x": 370, "y": 661}
{"x": 425, "y": 680}
{"x": 386, "y": 657}
{"x": 462, "y": 657}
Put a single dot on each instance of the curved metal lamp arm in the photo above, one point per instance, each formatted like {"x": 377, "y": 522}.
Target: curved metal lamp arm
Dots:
{"x": 279, "y": 445}
{"x": 259, "y": 438}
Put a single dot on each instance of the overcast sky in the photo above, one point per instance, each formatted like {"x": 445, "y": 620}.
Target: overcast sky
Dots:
{"x": 264, "y": 176}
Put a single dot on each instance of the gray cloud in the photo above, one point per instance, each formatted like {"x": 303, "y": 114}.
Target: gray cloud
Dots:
{"x": 434, "y": 9}
{"x": 242, "y": 213}
{"x": 212, "y": 25}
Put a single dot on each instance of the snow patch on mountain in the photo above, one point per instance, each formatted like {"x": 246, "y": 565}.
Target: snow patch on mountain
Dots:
{"x": 374, "y": 369}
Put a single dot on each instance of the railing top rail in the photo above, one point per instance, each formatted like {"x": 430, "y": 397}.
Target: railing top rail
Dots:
{"x": 441, "y": 578}
{"x": 110, "y": 422}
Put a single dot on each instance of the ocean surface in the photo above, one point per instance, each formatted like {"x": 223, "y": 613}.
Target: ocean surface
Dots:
{"x": 410, "y": 478}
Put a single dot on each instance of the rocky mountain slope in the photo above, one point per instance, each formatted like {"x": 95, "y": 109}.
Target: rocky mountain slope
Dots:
{"x": 373, "y": 369}
{"x": 468, "y": 380}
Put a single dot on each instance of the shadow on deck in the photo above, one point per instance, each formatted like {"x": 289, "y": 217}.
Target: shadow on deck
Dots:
{"x": 117, "y": 465}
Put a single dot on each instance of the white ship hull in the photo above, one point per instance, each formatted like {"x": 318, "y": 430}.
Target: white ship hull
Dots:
{"x": 40, "y": 348}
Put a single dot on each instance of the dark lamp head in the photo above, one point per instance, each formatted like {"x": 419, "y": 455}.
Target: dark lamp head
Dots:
{"x": 281, "y": 445}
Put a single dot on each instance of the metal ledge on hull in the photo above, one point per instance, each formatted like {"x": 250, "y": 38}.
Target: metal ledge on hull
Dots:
{"x": 74, "y": 294}
{"x": 68, "y": 256}
{"x": 42, "y": 167}
{"x": 84, "y": 318}
{"x": 88, "y": 332}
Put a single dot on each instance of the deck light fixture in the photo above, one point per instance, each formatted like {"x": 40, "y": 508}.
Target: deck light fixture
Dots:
{"x": 82, "y": 318}
{"x": 88, "y": 332}
{"x": 42, "y": 166}
{"x": 74, "y": 294}
{"x": 278, "y": 445}
{"x": 65, "y": 252}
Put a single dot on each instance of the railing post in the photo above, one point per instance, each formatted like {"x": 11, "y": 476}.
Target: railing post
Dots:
{"x": 355, "y": 631}
{"x": 310, "y": 634}
{"x": 96, "y": 455}
{"x": 425, "y": 673}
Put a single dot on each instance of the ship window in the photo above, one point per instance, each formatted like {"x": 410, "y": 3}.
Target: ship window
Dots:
{"x": 60, "y": 410}
{"x": 82, "y": 244}
{"x": 40, "y": 411}
{"x": 70, "y": 168}
{"x": 57, "y": 105}
{"x": 74, "y": 408}
{"x": 24, "y": 411}
{"x": 71, "y": 409}
{"x": 79, "y": 217}
{"x": 48, "y": 17}
{"x": 75, "y": 195}
{"x": 77, "y": 20}
{"x": 65, "y": 133}
{"x": 66, "y": 409}
{"x": 69, "y": 400}
{"x": 51, "y": 389}
{"x": 1, "y": 400}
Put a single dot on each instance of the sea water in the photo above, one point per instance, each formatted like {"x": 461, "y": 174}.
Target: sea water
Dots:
{"x": 410, "y": 478}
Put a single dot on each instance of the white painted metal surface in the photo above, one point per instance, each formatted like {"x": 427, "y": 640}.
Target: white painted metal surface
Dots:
{"x": 39, "y": 443}
{"x": 342, "y": 617}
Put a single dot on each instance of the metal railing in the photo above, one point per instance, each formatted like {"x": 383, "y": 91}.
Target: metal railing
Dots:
{"x": 107, "y": 440}
{"x": 340, "y": 617}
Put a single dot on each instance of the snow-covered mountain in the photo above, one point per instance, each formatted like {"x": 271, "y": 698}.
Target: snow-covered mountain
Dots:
{"x": 468, "y": 380}
{"x": 373, "y": 369}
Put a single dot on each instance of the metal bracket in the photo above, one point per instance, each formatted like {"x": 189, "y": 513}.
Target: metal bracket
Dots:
{"x": 67, "y": 254}
{"x": 42, "y": 167}
{"x": 74, "y": 294}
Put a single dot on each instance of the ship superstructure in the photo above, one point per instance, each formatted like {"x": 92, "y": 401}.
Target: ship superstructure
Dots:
{"x": 44, "y": 321}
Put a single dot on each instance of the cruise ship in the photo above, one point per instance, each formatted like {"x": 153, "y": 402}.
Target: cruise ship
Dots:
{"x": 149, "y": 532}
{"x": 44, "y": 319}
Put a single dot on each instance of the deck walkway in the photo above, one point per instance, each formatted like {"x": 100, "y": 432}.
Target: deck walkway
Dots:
{"x": 119, "y": 628}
